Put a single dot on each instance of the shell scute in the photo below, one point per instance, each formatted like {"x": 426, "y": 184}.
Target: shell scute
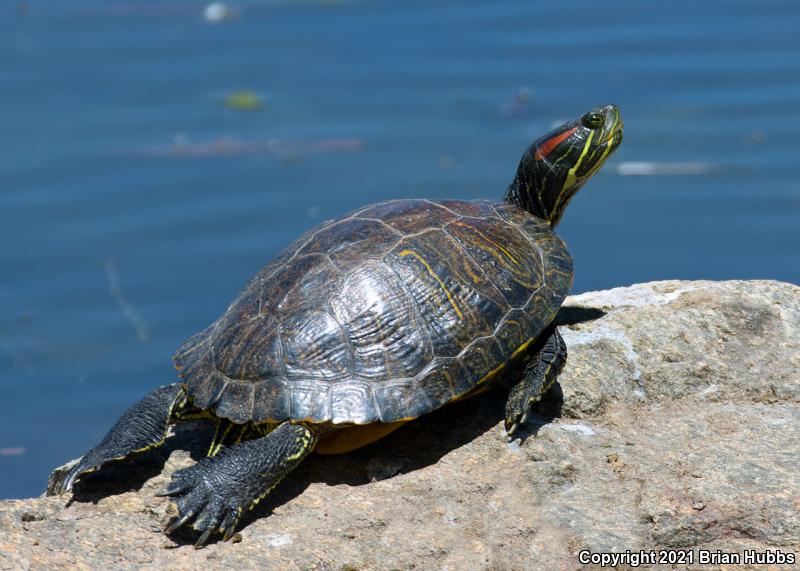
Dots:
{"x": 293, "y": 274}
{"x": 381, "y": 323}
{"x": 320, "y": 282}
{"x": 456, "y": 302}
{"x": 353, "y": 401}
{"x": 271, "y": 399}
{"x": 246, "y": 348}
{"x": 352, "y": 238}
{"x": 310, "y": 400}
{"x": 504, "y": 254}
{"x": 314, "y": 346}
{"x": 236, "y": 403}
{"x": 409, "y": 216}
{"x": 472, "y": 208}
{"x": 445, "y": 381}
{"x": 481, "y": 358}
{"x": 400, "y": 400}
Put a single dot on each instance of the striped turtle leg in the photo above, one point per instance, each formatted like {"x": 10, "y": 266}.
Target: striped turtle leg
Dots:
{"x": 218, "y": 490}
{"x": 538, "y": 376}
{"x": 228, "y": 433}
{"x": 142, "y": 427}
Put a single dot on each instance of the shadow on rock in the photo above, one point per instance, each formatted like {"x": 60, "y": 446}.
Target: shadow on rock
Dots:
{"x": 418, "y": 444}
{"x": 574, "y": 314}
{"x": 132, "y": 473}
{"x": 425, "y": 441}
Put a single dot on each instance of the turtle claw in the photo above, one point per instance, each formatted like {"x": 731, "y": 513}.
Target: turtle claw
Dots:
{"x": 171, "y": 491}
{"x": 513, "y": 424}
{"x": 181, "y": 484}
{"x": 228, "y": 532}
{"x": 66, "y": 485}
{"x": 203, "y": 538}
{"x": 228, "y": 525}
{"x": 179, "y": 522}
{"x": 79, "y": 469}
{"x": 511, "y": 430}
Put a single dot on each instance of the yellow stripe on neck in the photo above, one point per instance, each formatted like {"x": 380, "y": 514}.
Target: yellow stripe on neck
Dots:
{"x": 572, "y": 178}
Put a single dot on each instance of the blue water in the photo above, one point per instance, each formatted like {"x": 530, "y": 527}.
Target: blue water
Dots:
{"x": 134, "y": 204}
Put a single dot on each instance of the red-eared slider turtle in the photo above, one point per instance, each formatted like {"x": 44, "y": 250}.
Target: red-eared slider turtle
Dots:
{"x": 368, "y": 322}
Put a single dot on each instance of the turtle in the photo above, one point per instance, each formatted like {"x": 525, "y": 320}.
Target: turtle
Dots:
{"x": 366, "y": 323}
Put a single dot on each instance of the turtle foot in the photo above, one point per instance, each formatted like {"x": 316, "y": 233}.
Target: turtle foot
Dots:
{"x": 200, "y": 494}
{"x": 219, "y": 489}
{"x": 538, "y": 376}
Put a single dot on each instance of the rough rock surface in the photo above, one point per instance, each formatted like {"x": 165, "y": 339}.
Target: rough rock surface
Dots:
{"x": 676, "y": 423}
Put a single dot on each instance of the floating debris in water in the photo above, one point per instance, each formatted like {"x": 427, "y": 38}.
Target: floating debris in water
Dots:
{"x": 13, "y": 451}
{"x": 243, "y": 100}
{"x": 758, "y": 136}
{"x": 518, "y": 104}
{"x": 645, "y": 168}
{"x": 217, "y": 12}
{"x": 127, "y": 309}
{"x": 236, "y": 147}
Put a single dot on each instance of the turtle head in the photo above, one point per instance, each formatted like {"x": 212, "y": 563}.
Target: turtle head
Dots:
{"x": 557, "y": 165}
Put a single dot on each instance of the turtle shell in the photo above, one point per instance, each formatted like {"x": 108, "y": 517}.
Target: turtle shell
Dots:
{"x": 383, "y": 315}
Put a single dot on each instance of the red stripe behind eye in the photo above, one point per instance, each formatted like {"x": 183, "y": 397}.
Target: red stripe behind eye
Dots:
{"x": 547, "y": 147}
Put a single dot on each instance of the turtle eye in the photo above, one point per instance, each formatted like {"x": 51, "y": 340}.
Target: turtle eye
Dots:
{"x": 593, "y": 120}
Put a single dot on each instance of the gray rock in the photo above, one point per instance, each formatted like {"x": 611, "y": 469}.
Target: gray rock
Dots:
{"x": 677, "y": 422}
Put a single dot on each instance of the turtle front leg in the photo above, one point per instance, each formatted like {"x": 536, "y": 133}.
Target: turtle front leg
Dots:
{"x": 142, "y": 427}
{"x": 538, "y": 376}
{"x": 218, "y": 490}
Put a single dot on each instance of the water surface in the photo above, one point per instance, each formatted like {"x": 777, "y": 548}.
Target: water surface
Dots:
{"x": 134, "y": 204}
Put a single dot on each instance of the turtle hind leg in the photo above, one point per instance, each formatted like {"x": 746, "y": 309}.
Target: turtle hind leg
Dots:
{"x": 228, "y": 433}
{"x": 217, "y": 491}
{"x": 142, "y": 427}
{"x": 537, "y": 378}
